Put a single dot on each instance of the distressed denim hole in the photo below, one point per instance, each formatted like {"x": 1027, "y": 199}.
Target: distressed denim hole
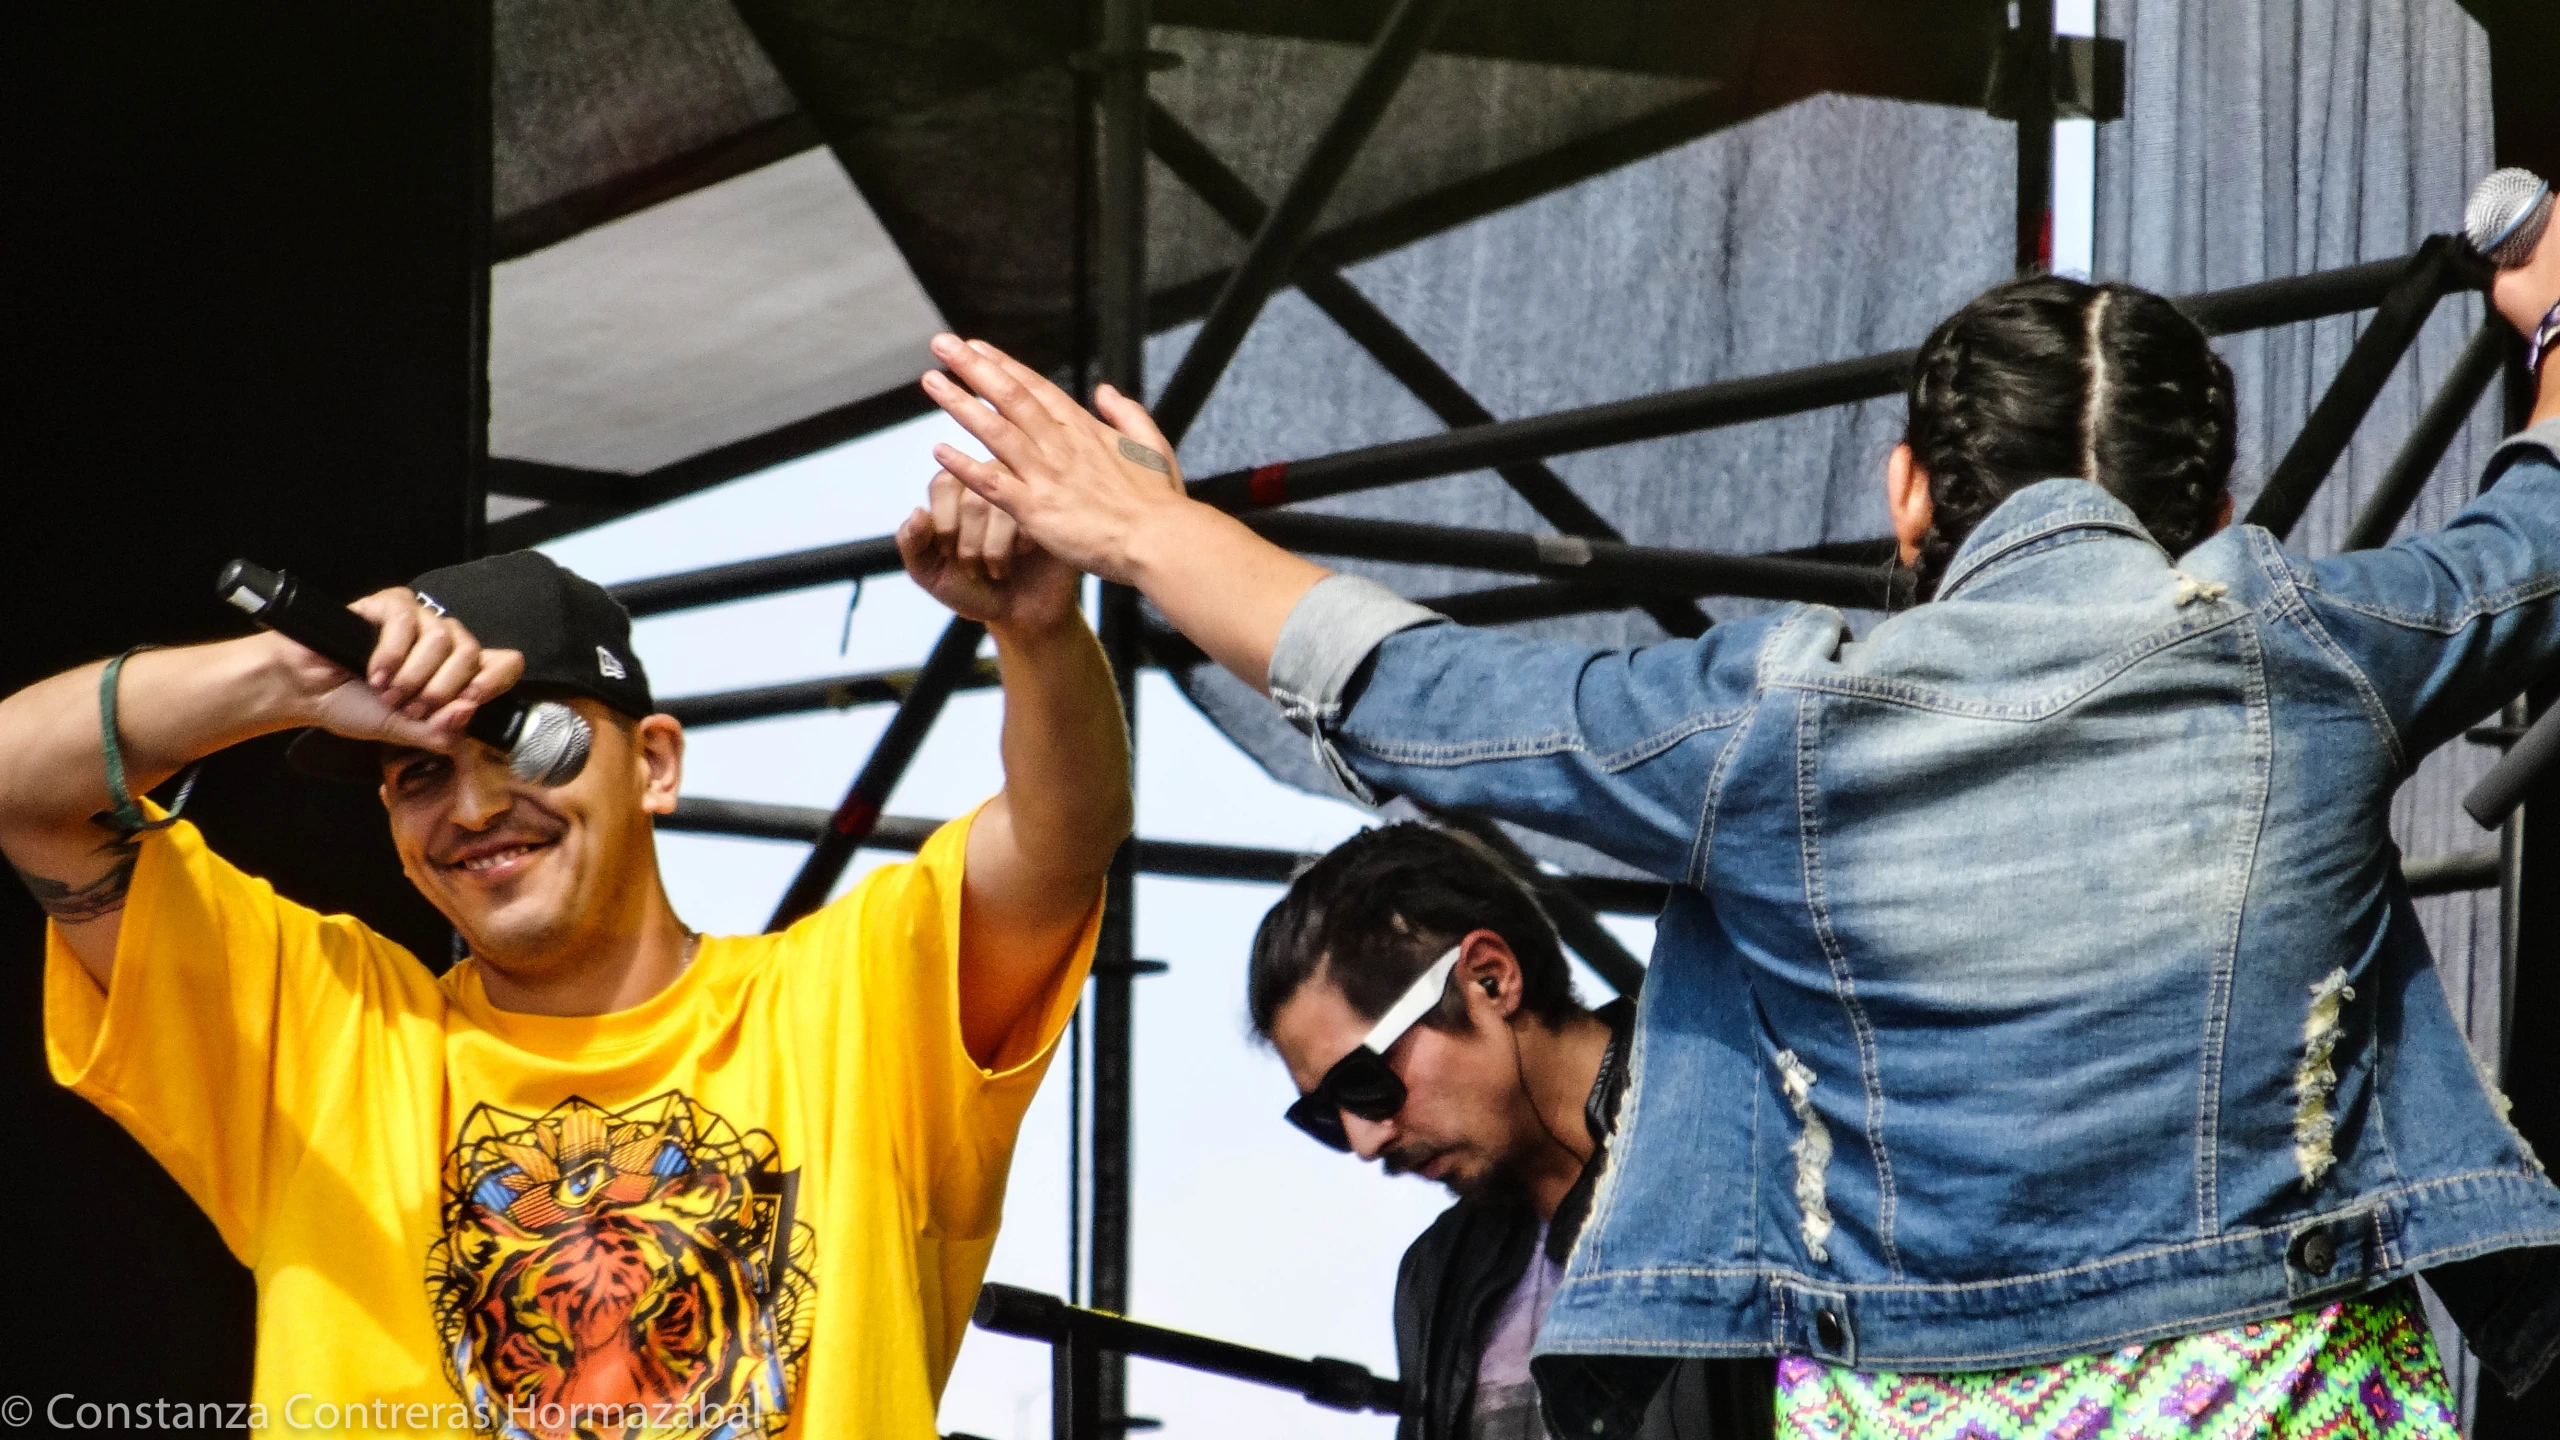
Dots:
{"x": 1812, "y": 1151}
{"x": 2315, "y": 1084}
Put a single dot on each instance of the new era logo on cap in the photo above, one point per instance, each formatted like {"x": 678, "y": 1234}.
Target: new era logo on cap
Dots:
{"x": 607, "y": 666}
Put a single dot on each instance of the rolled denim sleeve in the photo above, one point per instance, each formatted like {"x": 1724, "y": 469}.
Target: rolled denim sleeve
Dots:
{"x": 1330, "y": 634}
{"x": 1611, "y": 748}
{"x": 2448, "y": 626}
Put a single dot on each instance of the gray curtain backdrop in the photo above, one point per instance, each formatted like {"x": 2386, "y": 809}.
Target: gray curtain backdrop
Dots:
{"x": 2278, "y": 137}
{"x": 1836, "y": 227}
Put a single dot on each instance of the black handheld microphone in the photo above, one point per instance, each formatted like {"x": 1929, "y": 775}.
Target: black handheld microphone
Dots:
{"x": 545, "y": 742}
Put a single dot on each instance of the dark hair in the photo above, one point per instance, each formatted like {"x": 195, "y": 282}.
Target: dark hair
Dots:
{"x": 2044, "y": 377}
{"x": 1376, "y": 910}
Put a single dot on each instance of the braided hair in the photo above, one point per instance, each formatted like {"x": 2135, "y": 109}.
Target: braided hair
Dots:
{"x": 2045, "y": 377}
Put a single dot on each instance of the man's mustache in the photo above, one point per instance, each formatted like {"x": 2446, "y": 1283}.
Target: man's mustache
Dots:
{"x": 523, "y": 825}
{"x": 1408, "y": 1159}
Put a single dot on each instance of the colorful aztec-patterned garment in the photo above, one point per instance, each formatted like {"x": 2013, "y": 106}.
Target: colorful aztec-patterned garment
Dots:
{"x": 2357, "y": 1370}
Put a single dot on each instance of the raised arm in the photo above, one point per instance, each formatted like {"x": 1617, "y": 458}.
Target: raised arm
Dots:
{"x": 1603, "y": 747}
{"x": 1108, "y": 499}
{"x": 1040, "y": 849}
{"x": 174, "y": 707}
{"x": 2449, "y": 625}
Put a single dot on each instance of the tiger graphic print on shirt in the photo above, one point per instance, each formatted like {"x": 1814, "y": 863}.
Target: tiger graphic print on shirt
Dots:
{"x": 620, "y": 1273}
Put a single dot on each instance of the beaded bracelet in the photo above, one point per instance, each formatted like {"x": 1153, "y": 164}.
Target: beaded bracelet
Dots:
{"x": 2544, "y": 335}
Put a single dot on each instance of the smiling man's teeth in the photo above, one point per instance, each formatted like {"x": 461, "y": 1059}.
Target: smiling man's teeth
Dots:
{"x": 487, "y": 861}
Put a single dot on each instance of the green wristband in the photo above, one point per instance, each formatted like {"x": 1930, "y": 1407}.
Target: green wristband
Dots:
{"x": 127, "y": 817}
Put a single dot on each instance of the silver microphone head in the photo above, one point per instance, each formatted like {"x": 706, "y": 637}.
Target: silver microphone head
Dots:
{"x": 552, "y": 747}
{"x": 2506, "y": 216}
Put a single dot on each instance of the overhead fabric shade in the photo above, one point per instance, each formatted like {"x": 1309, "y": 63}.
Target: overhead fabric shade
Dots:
{"x": 701, "y": 321}
{"x": 958, "y": 126}
{"x": 593, "y": 100}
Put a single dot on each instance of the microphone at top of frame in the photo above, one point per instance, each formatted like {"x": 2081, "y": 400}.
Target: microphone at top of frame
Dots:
{"x": 2507, "y": 215}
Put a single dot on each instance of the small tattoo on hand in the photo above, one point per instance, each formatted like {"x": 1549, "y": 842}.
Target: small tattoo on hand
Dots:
{"x": 72, "y": 904}
{"x": 1141, "y": 455}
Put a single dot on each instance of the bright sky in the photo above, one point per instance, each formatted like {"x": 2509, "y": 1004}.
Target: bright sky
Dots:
{"x": 1245, "y": 1229}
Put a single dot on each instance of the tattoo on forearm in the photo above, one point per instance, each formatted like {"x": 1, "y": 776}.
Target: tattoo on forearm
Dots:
{"x": 71, "y": 904}
{"x": 1141, "y": 455}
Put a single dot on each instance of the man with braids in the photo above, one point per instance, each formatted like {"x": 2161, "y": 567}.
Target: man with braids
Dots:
{"x": 2038, "y": 1040}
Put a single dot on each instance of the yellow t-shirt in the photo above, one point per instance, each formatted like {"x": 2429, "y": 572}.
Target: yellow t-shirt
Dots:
{"x": 760, "y": 1202}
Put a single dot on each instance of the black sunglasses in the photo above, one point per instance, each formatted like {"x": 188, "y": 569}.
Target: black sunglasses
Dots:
{"x": 1362, "y": 1082}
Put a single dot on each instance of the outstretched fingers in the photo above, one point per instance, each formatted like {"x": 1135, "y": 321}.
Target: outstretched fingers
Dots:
{"x": 1060, "y": 405}
{"x": 1012, "y": 389}
{"x": 1043, "y": 391}
{"x": 990, "y": 427}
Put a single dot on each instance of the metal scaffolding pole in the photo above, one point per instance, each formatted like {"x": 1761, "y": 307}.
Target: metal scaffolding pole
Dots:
{"x": 2444, "y": 418}
{"x": 2031, "y": 53}
{"x": 1194, "y": 860}
{"x": 1188, "y": 859}
{"x": 1642, "y": 568}
{"x": 2332, "y": 426}
{"x": 1119, "y": 249}
{"x": 1285, "y": 230}
{"x": 1734, "y": 402}
{"x": 954, "y": 658}
{"x": 1731, "y": 402}
{"x": 1404, "y": 360}
{"x": 765, "y": 575}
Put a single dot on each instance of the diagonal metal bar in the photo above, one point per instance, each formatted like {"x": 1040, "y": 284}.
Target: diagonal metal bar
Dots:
{"x": 2332, "y": 426}
{"x": 2443, "y": 419}
{"x": 954, "y": 658}
{"x": 1285, "y": 230}
{"x": 1404, "y": 360}
{"x": 1592, "y": 562}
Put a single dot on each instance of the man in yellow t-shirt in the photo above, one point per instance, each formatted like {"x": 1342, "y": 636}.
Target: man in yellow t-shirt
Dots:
{"x": 605, "y": 1176}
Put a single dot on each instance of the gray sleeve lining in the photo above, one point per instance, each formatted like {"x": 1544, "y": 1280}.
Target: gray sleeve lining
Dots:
{"x": 1333, "y": 628}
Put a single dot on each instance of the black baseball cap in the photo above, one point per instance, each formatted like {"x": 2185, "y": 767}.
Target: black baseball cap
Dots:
{"x": 576, "y": 639}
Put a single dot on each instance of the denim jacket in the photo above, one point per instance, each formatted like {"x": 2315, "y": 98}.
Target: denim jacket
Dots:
{"x": 2038, "y": 977}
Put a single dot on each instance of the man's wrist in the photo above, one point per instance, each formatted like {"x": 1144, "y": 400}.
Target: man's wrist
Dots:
{"x": 176, "y": 706}
{"x": 269, "y": 677}
{"x": 1015, "y": 637}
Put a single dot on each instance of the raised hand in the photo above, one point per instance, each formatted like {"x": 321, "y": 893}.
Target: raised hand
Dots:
{"x": 973, "y": 558}
{"x": 1081, "y": 488}
{"x": 426, "y": 677}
